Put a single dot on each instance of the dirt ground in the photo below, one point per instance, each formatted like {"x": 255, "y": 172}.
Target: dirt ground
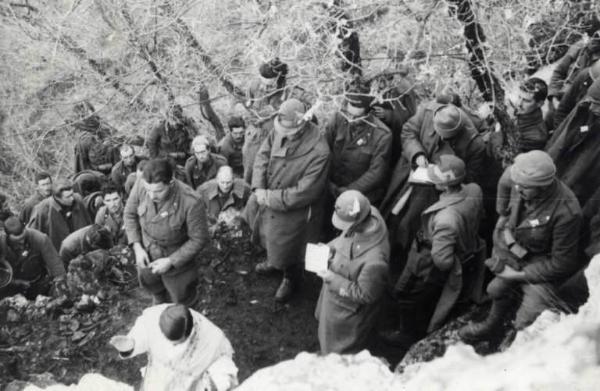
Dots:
{"x": 233, "y": 296}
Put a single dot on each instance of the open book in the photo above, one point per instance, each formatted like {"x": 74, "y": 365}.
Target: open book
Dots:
{"x": 316, "y": 257}
{"x": 419, "y": 175}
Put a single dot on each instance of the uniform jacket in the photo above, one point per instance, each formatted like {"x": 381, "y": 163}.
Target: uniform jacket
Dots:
{"x": 550, "y": 231}
{"x": 361, "y": 153}
{"x": 47, "y": 218}
{"x": 233, "y": 153}
{"x": 532, "y": 131}
{"x": 400, "y": 105}
{"x": 448, "y": 238}
{"x": 120, "y": 172}
{"x": 38, "y": 258}
{"x": 161, "y": 143}
{"x": 349, "y": 304}
{"x": 30, "y": 203}
{"x": 176, "y": 229}
{"x": 237, "y": 197}
{"x": 198, "y": 173}
{"x": 418, "y": 136}
{"x": 115, "y": 225}
{"x": 573, "y": 95}
{"x": 295, "y": 175}
{"x": 73, "y": 245}
{"x": 265, "y": 107}
{"x": 577, "y": 57}
{"x": 574, "y": 148}
{"x": 94, "y": 153}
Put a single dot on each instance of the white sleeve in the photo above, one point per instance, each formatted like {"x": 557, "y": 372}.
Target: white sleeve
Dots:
{"x": 221, "y": 375}
{"x": 139, "y": 334}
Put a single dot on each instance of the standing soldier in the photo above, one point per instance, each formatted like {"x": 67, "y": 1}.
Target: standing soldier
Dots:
{"x": 165, "y": 221}
{"x": 172, "y": 137}
{"x": 354, "y": 284}
{"x": 231, "y": 145}
{"x": 361, "y": 145}
{"x": 290, "y": 174}
{"x": 536, "y": 244}
{"x": 445, "y": 256}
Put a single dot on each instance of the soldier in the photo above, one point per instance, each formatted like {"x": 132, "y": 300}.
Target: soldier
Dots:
{"x": 224, "y": 192}
{"x": 446, "y": 254}
{"x": 125, "y": 166}
{"x": 231, "y": 145}
{"x": 355, "y": 282}
{"x": 576, "y": 92}
{"x": 165, "y": 222}
{"x": 83, "y": 241}
{"x": 43, "y": 190}
{"x": 530, "y": 120}
{"x": 35, "y": 263}
{"x": 535, "y": 245}
{"x": 204, "y": 164}
{"x": 94, "y": 149}
{"x": 361, "y": 146}
{"x": 110, "y": 215}
{"x": 265, "y": 96}
{"x": 290, "y": 175}
{"x": 172, "y": 137}
{"x": 61, "y": 214}
{"x": 437, "y": 129}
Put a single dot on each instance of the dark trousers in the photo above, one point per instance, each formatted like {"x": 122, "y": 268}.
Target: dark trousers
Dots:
{"x": 534, "y": 298}
{"x": 173, "y": 286}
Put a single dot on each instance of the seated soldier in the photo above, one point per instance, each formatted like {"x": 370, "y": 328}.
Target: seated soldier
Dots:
{"x": 84, "y": 240}
{"x": 535, "y": 245}
{"x": 43, "y": 190}
{"x": 110, "y": 215}
{"x": 35, "y": 263}
{"x": 61, "y": 214}
{"x": 223, "y": 193}
{"x": 125, "y": 166}
{"x": 231, "y": 145}
{"x": 5, "y": 211}
{"x": 446, "y": 246}
{"x": 204, "y": 164}
{"x": 186, "y": 351}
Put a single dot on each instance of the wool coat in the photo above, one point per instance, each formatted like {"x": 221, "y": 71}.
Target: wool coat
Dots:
{"x": 48, "y": 218}
{"x": 197, "y": 173}
{"x": 349, "y": 304}
{"x": 232, "y": 151}
{"x": 361, "y": 153}
{"x": 448, "y": 239}
{"x": 215, "y": 203}
{"x": 294, "y": 172}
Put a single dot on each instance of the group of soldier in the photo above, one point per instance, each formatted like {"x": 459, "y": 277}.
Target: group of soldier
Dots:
{"x": 479, "y": 223}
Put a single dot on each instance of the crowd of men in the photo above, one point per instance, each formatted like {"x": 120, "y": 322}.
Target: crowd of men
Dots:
{"x": 472, "y": 226}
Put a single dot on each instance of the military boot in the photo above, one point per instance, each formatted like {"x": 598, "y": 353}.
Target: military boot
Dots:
{"x": 475, "y": 332}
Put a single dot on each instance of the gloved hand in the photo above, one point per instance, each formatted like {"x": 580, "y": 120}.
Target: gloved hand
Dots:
{"x": 59, "y": 286}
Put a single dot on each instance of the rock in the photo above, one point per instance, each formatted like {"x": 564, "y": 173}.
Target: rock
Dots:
{"x": 89, "y": 382}
{"x": 332, "y": 372}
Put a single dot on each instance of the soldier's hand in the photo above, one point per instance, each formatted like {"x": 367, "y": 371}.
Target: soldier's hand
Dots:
{"x": 60, "y": 285}
{"x": 422, "y": 161}
{"x": 122, "y": 343}
{"x": 326, "y": 275}
{"x": 20, "y": 284}
{"x": 141, "y": 256}
{"x": 509, "y": 273}
{"x": 261, "y": 196}
{"x": 161, "y": 265}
